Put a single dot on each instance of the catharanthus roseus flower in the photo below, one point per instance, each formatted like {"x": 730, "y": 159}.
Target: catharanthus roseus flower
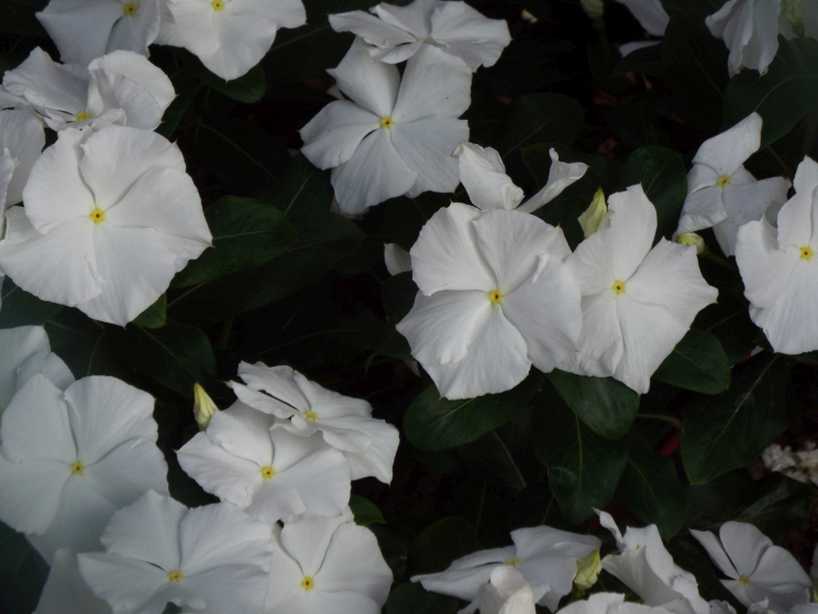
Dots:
{"x": 228, "y": 36}
{"x": 757, "y": 569}
{"x": 749, "y": 28}
{"x": 306, "y": 408}
{"x": 322, "y": 565}
{"x": 395, "y": 135}
{"x": 722, "y": 194}
{"x": 506, "y": 592}
{"x": 396, "y": 33}
{"x": 611, "y": 603}
{"x": 549, "y": 559}
{"x": 638, "y": 301}
{"x": 108, "y": 221}
{"x": 271, "y": 473}
{"x": 122, "y": 87}
{"x": 71, "y": 458}
{"x": 84, "y": 30}
{"x": 65, "y": 590}
{"x": 211, "y": 559}
{"x": 777, "y": 266}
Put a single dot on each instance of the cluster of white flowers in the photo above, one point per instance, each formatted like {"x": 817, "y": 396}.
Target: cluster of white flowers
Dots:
{"x": 393, "y": 134}
{"x": 82, "y": 476}
{"x": 545, "y": 564}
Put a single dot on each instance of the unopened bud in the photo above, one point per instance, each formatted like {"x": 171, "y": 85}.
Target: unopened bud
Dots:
{"x": 203, "y": 407}
{"x": 691, "y": 239}
{"x": 588, "y": 568}
{"x": 595, "y": 215}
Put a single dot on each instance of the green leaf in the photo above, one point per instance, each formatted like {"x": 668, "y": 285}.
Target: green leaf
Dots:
{"x": 440, "y": 543}
{"x": 784, "y": 96}
{"x": 583, "y": 469}
{"x": 605, "y": 405}
{"x": 697, "y": 363}
{"x": 19, "y": 308}
{"x": 155, "y": 316}
{"x": 22, "y": 572}
{"x": 543, "y": 118}
{"x": 663, "y": 176}
{"x": 365, "y": 511}
{"x": 249, "y": 88}
{"x": 411, "y": 598}
{"x": 653, "y": 491}
{"x": 246, "y": 233}
{"x": 729, "y": 431}
{"x": 434, "y": 423}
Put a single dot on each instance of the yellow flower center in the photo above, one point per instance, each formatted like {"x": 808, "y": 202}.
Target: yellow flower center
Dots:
{"x": 496, "y": 297}
{"x": 218, "y": 5}
{"x": 83, "y": 116}
{"x": 724, "y": 181}
{"x": 176, "y": 576}
{"x": 386, "y": 122}
{"x": 129, "y": 9}
{"x": 513, "y": 561}
{"x": 311, "y": 416}
{"x": 307, "y": 583}
{"x": 97, "y": 215}
{"x": 77, "y": 468}
{"x": 744, "y": 580}
{"x": 618, "y": 287}
{"x": 268, "y": 472}
{"x": 806, "y": 252}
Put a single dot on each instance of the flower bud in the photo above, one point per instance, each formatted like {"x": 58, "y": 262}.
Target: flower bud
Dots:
{"x": 594, "y": 216}
{"x": 693, "y": 240}
{"x": 595, "y": 9}
{"x": 203, "y": 407}
{"x": 588, "y": 568}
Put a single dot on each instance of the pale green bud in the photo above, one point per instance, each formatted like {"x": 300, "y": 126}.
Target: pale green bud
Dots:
{"x": 203, "y": 407}
{"x": 594, "y": 216}
{"x": 693, "y": 240}
{"x": 588, "y": 568}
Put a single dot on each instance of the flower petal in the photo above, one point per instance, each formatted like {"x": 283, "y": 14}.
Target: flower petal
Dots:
{"x": 129, "y": 585}
{"x": 747, "y": 203}
{"x": 483, "y": 174}
{"x": 469, "y": 35}
{"x": 560, "y": 176}
{"x": 332, "y": 137}
{"x": 435, "y": 84}
{"x": 726, "y": 152}
{"x": 427, "y": 147}
{"x": 65, "y": 587}
{"x": 80, "y": 28}
{"x": 307, "y": 538}
{"x": 368, "y": 82}
{"x": 22, "y": 134}
{"x": 31, "y": 493}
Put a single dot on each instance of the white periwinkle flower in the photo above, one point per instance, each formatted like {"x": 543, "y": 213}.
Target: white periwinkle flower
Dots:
{"x": 721, "y": 193}
{"x": 494, "y": 298}
{"x": 394, "y": 135}
{"x": 84, "y": 30}
{"x": 229, "y": 36}
{"x": 323, "y": 565}
{"x": 646, "y": 567}
{"x": 506, "y": 592}
{"x": 109, "y": 220}
{"x": 777, "y": 266}
{"x": 71, "y": 459}
{"x": 26, "y": 353}
{"x": 757, "y": 569}
{"x": 306, "y": 408}
{"x": 271, "y": 473}
{"x": 121, "y": 87}
{"x": 638, "y": 301}
{"x": 610, "y": 603}
{"x": 65, "y": 590}
{"x": 549, "y": 559}
{"x": 749, "y": 28}
{"x": 211, "y": 559}
{"x": 396, "y": 33}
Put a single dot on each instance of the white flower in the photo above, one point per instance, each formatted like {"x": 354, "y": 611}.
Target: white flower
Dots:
{"x": 26, "y": 353}
{"x": 122, "y": 87}
{"x": 211, "y": 559}
{"x": 506, "y": 592}
{"x": 323, "y": 565}
{"x": 494, "y": 298}
{"x": 65, "y": 591}
{"x": 549, "y": 560}
{"x": 345, "y": 423}
{"x": 396, "y": 259}
{"x": 757, "y": 569}
{"x": 21, "y": 141}
{"x": 721, "y": 193}
{"x": 637, "y": 302}
{"x": 646, "y": 567}
{"x": 394, "y": 135}
{"x": 777, "y": 266}
{"x": 107, "y": 223}
{"x": 483, "y": 174}
{"x": 652, "y": 16}
{"x": 749, "y": 28}
{"x": 84, "y": 30}
{"x": 68, "y": 460}
{"x": 272, "y": 474}
{"x": 229, "y": 36}
{"x": 396, "y": 33}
